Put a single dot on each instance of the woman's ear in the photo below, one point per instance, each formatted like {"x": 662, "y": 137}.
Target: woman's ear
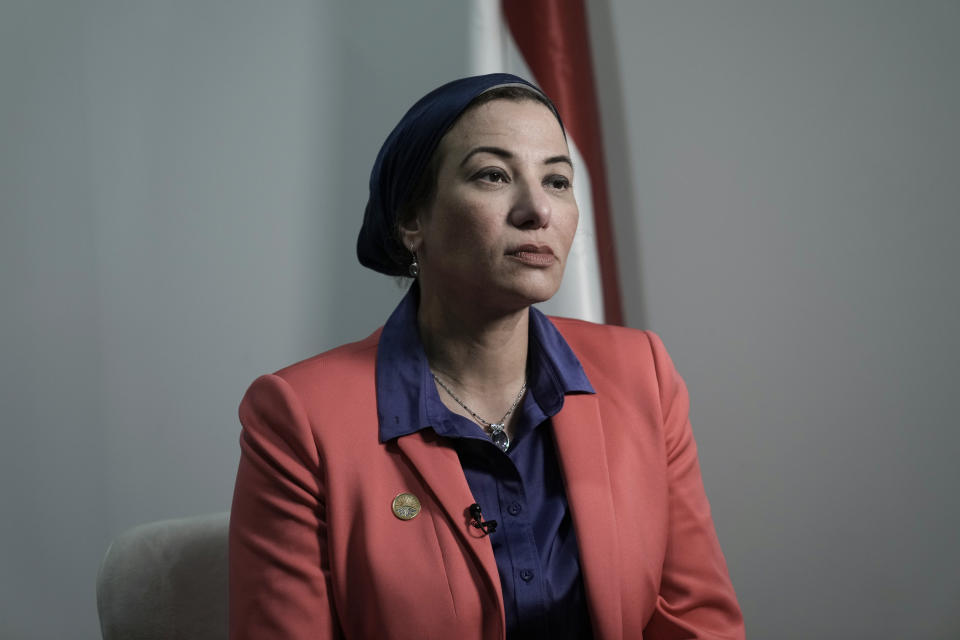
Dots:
{"x": 411, "y": 233}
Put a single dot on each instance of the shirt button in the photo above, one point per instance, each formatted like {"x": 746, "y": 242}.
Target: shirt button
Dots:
{"x": 526, "y": 575}
{"x": 514, "y": 508}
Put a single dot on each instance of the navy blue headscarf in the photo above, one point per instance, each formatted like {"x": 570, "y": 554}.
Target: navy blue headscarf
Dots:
{"x": 404, "y": 157}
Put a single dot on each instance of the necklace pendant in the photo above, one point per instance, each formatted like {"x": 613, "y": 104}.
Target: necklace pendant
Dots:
{"x": 497, "y": 433}
{"x": 499, "y": 436}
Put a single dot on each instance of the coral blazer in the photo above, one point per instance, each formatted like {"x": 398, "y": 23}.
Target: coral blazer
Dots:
{"x": 316, "y": 551}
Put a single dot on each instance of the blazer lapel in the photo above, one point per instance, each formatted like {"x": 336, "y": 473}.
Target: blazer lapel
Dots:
{"x": 583, "y": 459}
{"x": 439, "y": 467}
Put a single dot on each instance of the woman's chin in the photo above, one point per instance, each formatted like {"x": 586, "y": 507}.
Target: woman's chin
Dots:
{"x": 498, "y": 295}
{"x": 536, "y": 292}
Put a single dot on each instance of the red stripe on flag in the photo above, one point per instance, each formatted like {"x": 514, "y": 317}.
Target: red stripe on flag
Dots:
{"x": 552, "y": 36}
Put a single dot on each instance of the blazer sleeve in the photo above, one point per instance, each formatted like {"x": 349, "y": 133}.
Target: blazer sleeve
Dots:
{"x": 696, "y": 598}
{"x": 279, "y": 568}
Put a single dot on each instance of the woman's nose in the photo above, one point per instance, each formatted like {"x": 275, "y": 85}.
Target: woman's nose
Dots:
{"x": 532, "y": 207}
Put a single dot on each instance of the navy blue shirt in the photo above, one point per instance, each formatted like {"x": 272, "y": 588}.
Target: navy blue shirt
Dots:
{"x": 534, "y": 544}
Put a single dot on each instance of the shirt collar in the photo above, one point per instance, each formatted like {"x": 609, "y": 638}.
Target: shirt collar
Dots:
{"x": 404, "y": 382}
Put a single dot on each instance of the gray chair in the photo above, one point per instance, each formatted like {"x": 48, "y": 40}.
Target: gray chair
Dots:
{"x": 166, "y": 580}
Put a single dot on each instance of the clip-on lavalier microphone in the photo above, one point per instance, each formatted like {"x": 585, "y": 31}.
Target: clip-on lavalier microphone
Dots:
{"x": 476, "y": 520}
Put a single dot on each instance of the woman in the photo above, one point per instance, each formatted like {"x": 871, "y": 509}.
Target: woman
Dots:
{"x": 474, "y": 469}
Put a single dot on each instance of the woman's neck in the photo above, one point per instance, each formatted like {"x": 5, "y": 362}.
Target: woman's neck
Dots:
{"x": 483, "y": 356}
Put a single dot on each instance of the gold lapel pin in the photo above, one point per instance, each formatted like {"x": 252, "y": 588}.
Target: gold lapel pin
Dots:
{"x": 406, "y": 506}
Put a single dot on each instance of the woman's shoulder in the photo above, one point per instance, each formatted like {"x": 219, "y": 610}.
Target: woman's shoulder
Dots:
{"x": 603, "y": 337}
{"x": 347, "y": 361}
{"x": 610, "y": 352}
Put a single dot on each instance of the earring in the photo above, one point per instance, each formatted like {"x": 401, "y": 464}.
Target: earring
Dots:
{"x": 414, "y": 266}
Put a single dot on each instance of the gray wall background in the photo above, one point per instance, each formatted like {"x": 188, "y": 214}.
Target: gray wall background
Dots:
{"x": 180, "y": 184}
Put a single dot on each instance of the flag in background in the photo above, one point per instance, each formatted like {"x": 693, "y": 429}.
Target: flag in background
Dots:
{"x": 546, "y": 41}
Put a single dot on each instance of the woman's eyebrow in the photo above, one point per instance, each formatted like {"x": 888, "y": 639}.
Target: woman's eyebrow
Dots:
{"x": 507, "y": 155}
{"x": 497, "y": 151}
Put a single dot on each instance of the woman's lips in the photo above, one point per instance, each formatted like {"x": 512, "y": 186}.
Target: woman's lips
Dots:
{"x": 533, "y": 255}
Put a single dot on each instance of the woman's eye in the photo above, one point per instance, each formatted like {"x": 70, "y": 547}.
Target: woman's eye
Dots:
{"x": 560, "y": 183}
{"x": 493, "y": 175}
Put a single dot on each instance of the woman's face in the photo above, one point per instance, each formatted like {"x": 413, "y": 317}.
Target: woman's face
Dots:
{"x": 498, "y": 229}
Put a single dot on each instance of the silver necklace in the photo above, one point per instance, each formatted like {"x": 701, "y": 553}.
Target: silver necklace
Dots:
{"x": 497, "y": 433}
